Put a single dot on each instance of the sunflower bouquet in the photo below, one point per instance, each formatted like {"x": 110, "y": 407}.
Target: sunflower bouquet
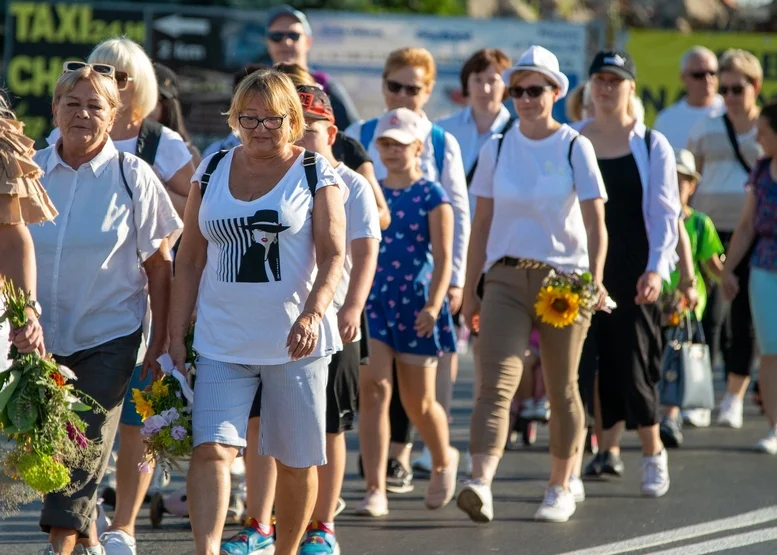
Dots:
{"x": 165, "y": 408}
{"x": 673, "y": 308}
{"x": 39, "y": 409}
{"x": 563, "y": 295}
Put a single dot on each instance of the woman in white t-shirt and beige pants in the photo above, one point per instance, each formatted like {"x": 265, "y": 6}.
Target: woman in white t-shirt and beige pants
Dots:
{"x": 540, "y": 206}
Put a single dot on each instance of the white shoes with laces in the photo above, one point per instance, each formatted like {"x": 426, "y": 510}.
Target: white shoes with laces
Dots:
{"x": 117, "y": 542}
{"x": 557, "y": 506}
{"x": 577, "y": 488}
{"x": 477, "y": 501}
{"x": 768, "y": 444}
{"x": 655, "y": 475}
{"x": 730, "y": 414}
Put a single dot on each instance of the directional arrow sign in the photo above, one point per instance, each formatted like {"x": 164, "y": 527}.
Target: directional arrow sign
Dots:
{"x": 174, "y": 25}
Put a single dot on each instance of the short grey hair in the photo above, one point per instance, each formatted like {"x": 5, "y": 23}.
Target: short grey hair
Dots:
{"x": 697, "y": 52}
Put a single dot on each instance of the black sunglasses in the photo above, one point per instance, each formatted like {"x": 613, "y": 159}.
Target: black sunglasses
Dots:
{"x": 396, "y": 88}
{"x": 699, "y": 75}
{"x": 736, "y": 90}
{"x": 272, "y": 123}
{"x": 279, "y": 36}
{"x": 534, "y": 91}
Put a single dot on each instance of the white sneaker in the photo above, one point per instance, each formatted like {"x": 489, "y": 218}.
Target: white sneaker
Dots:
{"x": 730, "y": 414}
{"x": 94, "y": 550}
{"x": 577, "y": 488}
{"x": 375, "y": 504}
{"x": 655, "y": 475}
{"x": 768, "y": 444}
{"x": 340, "y": 506}
{"x": 477, "y": 501}
{"x": 527, "y": 409}
{"x": 102, "y": 522}
{"x": 238, "y": 468}
{"x": 117, "y": 542}
{"x": 558, "y": 505}
{"x": 423, "y": 463}
{"x": 542, "y": 410}
{"x": 698, "y": 418}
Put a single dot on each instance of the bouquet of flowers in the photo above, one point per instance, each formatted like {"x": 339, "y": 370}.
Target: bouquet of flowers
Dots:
{"x": 165, "y": 408}
{"x": 562, "y": 295}
{"x": 38, "y": 413}
{"x": 673, "y": 308}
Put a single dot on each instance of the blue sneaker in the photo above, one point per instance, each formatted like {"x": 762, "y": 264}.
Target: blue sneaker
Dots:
{"x": 250, "y": 541}
{"x": 319, "y": 540}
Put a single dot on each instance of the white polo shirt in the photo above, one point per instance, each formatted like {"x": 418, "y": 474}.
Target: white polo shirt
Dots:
{"x": 537, "y": 197}
{"x": 676, "y": 121}
{"x": 91, "y": 285}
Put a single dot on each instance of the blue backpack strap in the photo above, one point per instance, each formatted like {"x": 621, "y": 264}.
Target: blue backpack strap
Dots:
{"x": 368, "y": 132}
{"x": 438, "y": 145}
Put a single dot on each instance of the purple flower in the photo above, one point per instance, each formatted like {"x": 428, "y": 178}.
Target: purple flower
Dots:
{"x": 76, "y": 436}
{"x": 170, "y": 415}
{"x": 178, "y": 433}
{"x": 152, "y": 425}
{"x": 144, "y": 467}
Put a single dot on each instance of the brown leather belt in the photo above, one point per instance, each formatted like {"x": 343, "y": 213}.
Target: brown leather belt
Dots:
{"x": 523, "y": 263}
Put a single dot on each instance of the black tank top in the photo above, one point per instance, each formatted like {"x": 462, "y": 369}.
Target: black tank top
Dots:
{"x": 627, "y": 254}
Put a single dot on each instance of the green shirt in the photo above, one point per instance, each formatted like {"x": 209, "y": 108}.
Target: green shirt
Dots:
{"x": 705, "y": 243}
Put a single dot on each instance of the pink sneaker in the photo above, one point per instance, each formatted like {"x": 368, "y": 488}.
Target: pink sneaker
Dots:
{"x": 375, "y": 504}
{"x": 442, "y": 485}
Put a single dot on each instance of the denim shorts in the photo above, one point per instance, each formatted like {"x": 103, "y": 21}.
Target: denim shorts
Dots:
{"x": 129, "y": 415}
{"x": 763, "y": 306}
{"x": 293, "y": 407}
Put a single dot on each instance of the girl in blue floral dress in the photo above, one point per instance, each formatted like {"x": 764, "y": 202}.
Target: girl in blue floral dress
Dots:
{"x": 408, "y": 314}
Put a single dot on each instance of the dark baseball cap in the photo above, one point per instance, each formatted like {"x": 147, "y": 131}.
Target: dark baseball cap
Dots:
{"x": 285, "y": 9}
{"x": 612, "y": 61}
{"x": 167, "y": 81}
{"x": 315, "y": 103}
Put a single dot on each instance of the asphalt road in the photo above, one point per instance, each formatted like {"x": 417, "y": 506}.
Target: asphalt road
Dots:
{"x": 723, "y": 499}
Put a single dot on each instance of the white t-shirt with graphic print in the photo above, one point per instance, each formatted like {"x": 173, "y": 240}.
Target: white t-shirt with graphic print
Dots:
{"x": 260, "y": 269}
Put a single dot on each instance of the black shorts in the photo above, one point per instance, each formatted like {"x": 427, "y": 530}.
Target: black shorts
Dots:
{"x": 342, "y": 390}
{"x": 364, "y": 342}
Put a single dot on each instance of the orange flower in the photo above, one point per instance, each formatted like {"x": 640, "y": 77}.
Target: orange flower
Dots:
{"x": 58, "y": 378}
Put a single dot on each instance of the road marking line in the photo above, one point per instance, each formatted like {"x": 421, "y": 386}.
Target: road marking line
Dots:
{"x": 722, "y": 544}
{"x": 744, "y": 520}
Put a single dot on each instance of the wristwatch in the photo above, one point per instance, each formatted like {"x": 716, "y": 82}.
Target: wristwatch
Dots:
{"x": 688, "y": 283}
{"x": 35, "y": 306}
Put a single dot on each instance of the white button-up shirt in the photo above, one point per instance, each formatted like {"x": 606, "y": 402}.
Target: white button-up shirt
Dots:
{"x": 453, "y": 180}
{"x": 91, "y": 285}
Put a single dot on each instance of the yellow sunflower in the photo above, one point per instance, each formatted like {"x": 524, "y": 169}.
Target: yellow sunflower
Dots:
{"x": 557, "y": 307}
{"x": 142, "y": 407}
{"x": 159, "y": 389}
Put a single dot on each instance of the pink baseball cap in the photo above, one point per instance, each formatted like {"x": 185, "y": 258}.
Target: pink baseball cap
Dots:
{"x": 402, "y": 125}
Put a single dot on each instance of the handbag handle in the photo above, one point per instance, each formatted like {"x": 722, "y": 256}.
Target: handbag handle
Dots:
{"x": 690, "y": 318}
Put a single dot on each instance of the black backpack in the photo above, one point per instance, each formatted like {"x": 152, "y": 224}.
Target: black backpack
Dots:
{"x": 148, "y": 140}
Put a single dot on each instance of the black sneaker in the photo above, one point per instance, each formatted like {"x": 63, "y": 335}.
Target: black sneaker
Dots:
{"x": 594, "y": 467}
{"x": 398, "y": 478}
{"x": 612, "y": 464}
{"x": 671, "y": 432}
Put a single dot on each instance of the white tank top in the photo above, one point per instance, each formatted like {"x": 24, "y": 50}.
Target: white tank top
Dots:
{"x": 260, "y": 269}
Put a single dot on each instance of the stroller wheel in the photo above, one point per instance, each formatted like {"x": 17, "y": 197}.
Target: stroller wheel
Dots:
{"x": 529, "y": 433}
{"x": 156, "y": 510}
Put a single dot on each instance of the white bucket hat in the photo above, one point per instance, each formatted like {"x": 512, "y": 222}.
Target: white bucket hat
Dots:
{"x": 686, "y": 163}
{"x": 543, "y": 61}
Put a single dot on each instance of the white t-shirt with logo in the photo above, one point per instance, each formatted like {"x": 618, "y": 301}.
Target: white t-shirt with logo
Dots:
{"x": 676, "y": 121}
{"x": 362, "y": 222}
{"x": 261, "y": 265}
{"x": 537, "y": 197}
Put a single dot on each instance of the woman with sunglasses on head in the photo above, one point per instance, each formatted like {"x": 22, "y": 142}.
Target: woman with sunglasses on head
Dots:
{"x": 726, "y": 151}
{"x": 100, "y": 263}
{"x": 642, "y": 216}
{"x": 408, "y": 80}
{"x": 540, "y": 207}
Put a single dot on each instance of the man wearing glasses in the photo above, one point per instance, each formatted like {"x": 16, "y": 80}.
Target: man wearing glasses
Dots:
{"x": 699, "y": 72}
{"x": 289, "y": 39}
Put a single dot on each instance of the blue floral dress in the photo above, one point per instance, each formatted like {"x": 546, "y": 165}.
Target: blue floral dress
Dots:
{"x": 403, "y": 278}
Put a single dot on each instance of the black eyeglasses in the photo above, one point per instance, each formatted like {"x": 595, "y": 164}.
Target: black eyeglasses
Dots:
{"x": 736, "y": 90}
{"x": 280, "y": 36}
{"x": 534, "y": 91}
{"x": 396, "y": 87}
{"x": 102, "y": 69}
{"x": 699, "y": 75}
{"x": 272, "y": 123}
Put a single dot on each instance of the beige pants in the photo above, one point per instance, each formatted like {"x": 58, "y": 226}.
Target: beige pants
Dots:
{"x": 506, "y": 321}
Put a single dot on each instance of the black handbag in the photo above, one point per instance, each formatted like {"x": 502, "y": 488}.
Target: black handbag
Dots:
{"x": 686, "y": 368}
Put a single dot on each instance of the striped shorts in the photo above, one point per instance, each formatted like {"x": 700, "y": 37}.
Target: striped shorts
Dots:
{"x": 293, "y": 407}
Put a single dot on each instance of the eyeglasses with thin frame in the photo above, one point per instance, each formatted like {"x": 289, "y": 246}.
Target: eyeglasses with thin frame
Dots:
{"x": 396, "y": 87}
{"x": 736, "y": 90}
{"x": 700, "y": 75}
{"x": 271, "y": 123}
{"x": 102, "y": 69}
{"x": 280, "y": 36}
{"x": 533, "y": 91}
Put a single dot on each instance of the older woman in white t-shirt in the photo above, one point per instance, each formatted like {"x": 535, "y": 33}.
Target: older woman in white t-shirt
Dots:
{"x": 262, "y": 256}
{"x": 109, "y": 241}
{"x": 540, "y": 206}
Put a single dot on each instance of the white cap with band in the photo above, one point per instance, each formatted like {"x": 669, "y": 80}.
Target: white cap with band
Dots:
{"x": 402, "y": 125}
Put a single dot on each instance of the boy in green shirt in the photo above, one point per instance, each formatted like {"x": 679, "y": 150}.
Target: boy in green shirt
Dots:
{"x": 706, "y": 248}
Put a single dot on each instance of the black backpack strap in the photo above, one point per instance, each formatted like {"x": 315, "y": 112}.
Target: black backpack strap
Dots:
{"x": 214, "y": 162}
{"x": 311, "y": 171}
{"x": 648, "y": 138}
{"x": 148, "y": 140}
{"x": 732, "y": 138}
{"x": 124, "y": 177}
{"x": 569, "y": 154}
{"x": 507, "y": 126}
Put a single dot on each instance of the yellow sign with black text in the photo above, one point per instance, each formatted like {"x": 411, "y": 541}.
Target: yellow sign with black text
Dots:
{"x": 657, "y": 56}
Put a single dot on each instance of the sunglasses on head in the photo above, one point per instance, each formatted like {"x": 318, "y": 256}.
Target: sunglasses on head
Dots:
{"x": 395, "y": 88}
{"x": 279, "y": 36}
{"x": 534, "y": 91}
{"x": 736, "y": 90}
{"x": 699, "y": 75}
{"x": 122, "y": 77}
